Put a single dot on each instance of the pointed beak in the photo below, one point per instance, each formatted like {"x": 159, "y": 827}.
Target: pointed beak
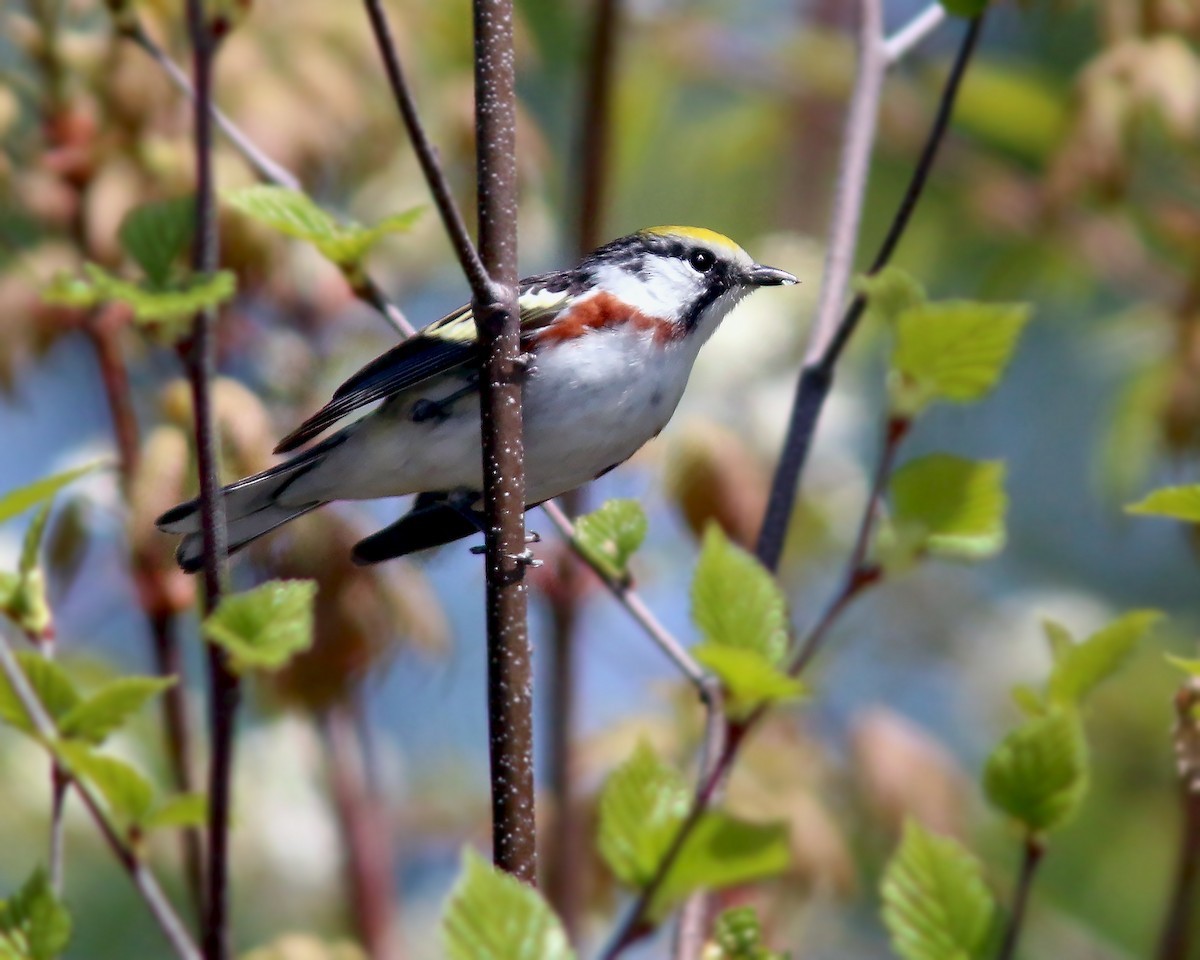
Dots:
{"x": 761, "y": 276}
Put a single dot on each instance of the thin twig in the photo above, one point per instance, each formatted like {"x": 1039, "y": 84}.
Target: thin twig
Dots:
{"x": 912, "y": 34}
{"x": 427, "y": 156}
{"x": 631, "y": 601}
{"x": 498, "y": 321}
{"x": 263, "y": 165}
{"x": 1030, "y": 858}
{"x": 268, "y": 169}
{"x": 596, "y": 128}
{"x": 224, "y": 688}
{"x": 817, "y": 376}
{"x": 1183, "y": 904}
{"x": 145, "y": 882}
{"x": 59, "y": 782}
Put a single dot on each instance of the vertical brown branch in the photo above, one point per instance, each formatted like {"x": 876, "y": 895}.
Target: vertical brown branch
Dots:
{"x": 510, "y": 681}
{"x": 199, "y": 353}
{"x": 1031, "y": 857}
{"x": 1183, "y": 905}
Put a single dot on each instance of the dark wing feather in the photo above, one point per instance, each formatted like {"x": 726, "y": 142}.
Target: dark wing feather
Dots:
{"x": 405, "y": 365}
{"x": 441, "y": 347}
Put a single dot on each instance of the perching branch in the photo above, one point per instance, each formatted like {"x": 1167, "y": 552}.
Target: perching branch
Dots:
{"x": 200, "y": 358}
{"x": 829, "y": 340}
{"x": 143, "y": 879}
{"x": 903, "y": 41}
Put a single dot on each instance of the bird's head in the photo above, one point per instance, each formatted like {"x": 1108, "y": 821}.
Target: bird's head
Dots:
{"x": 689, "y": 275}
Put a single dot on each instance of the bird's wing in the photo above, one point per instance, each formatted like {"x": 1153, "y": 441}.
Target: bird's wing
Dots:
{"x": 445, "y": 345}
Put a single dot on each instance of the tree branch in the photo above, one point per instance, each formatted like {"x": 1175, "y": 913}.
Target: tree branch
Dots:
{"x": 903, "y": 41}
{"x": 1030, "y": 859}
{"x": 199, "y": 352}
{"x": 1178, "y": 930}
{"x": 427, "y": 156}
{"x": 827, "y": 341}
{"x": 143, "y": 879}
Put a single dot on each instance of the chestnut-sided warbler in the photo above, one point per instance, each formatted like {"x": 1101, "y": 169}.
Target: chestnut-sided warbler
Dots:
{"x": 610, "y": 345}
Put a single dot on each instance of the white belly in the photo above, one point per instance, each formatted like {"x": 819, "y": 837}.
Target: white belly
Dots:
{"x": 588, "y": 406}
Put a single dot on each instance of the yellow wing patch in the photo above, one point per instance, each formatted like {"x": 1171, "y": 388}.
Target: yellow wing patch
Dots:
{"x": 459, "y": 327}
{"x": 702, "y": 234}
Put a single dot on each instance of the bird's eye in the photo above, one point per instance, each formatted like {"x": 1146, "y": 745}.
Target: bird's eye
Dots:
{"x": 701, "y": 260}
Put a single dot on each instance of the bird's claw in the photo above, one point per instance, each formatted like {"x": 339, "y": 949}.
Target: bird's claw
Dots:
{"x": 525, "y": 558}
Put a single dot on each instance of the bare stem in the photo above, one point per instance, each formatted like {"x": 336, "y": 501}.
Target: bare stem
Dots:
{"x": 497, "y": 317}
{"x": 59, "y": 782}
{"x": 1030, "y": 859}
{"x": 366, "y": 835}
{"x": 145, "y": 882}
{"x": 596, "y": 129}
{"x": 427, "y": 156}
{"x": 632, "y": 602}
{"x": 903, "y": 41}
{"x": 224, "y": 690}
{"x": 817, "y": 375}
{"x": 1183, "y": 905}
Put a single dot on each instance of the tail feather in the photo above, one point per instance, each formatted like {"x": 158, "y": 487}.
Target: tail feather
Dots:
{"x": 252, "y": 507}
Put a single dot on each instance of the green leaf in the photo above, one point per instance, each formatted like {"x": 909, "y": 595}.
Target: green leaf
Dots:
{"x": 611, "y": 535}
{"x": 1038, "y": 773}
{"x": 180, "y": 302}
{"x": 493, "y": 916}
{"x": 1058, "y": 638}
{"x": 1178, "y": 503}
{"x": 157, "y": 234}
{"x": 292, "y": 213}
{"x": 50, "y": 685}
{"x": 890, "y": 292}
{"x": 128, "y": 794}
{"x": 722, "y": 851}
{"x": 735, "y": 601}
{"x": 16, "y": 502}
{"x": 641, "y": 806}
{"x": 965, "y": 8}
{"x": 748, "y": 677}
{"x": 1080, "y": 667}
{"x": 34, "y": 925}
{"x": 956, "y": 507}
{"x": 181, "y": 810}
{"x": 107, "y": 710}
{"x": 1189, "y": 666}
{"x": 935, "y": 903}
{"x": 955, "y": 350}
{"x": 265, "y": 627}
{"x": 738, "y": 935}
{"x": 67, "y": 290}
{"x": 33, "y": 540}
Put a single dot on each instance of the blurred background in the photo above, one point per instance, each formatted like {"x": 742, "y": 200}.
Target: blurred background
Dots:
{"x": 1070, "y": 180}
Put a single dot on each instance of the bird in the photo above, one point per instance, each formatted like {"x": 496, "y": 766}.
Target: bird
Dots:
{"x": 608, "y": 345}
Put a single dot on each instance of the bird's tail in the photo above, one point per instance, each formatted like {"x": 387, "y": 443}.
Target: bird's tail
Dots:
{"x": 253, "y": 507}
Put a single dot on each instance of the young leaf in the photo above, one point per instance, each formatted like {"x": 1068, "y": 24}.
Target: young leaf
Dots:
{"x": 1038, "y": 773}
{"x": 265, "y": 627}
{"x": 956, "y": 350}
{"x": 1189, "y": 666}
{"x": 641, "y": 806}
{"x": 722, "y": 851}
{"x": 935, "y": 903}
{"x": 748, "y": 677}
{"x": 181, "y": 810}
{"x": 956, "y": 506}
{"x": 182, "y": 301}
{"x": 611, "y": 535}
{"x": 34, "y": 925}
{"x": 890, "y": 292}
{"x": 738, "y": 935}
{"x": 128, "y": 794}
{"x": 965, "y": 8}
{"x": 1080, "y": 667}
{"x": 1178, "y": 503}
{"x": 157, "y": 234}
{"x": 492, "y": 916}
{"x": 735, "y": 601}
{"x": 16, "y": 502}
{"x": 107, "y": 710}
{"x": 50, "y": 685}
{"x": 352, "y": 242}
